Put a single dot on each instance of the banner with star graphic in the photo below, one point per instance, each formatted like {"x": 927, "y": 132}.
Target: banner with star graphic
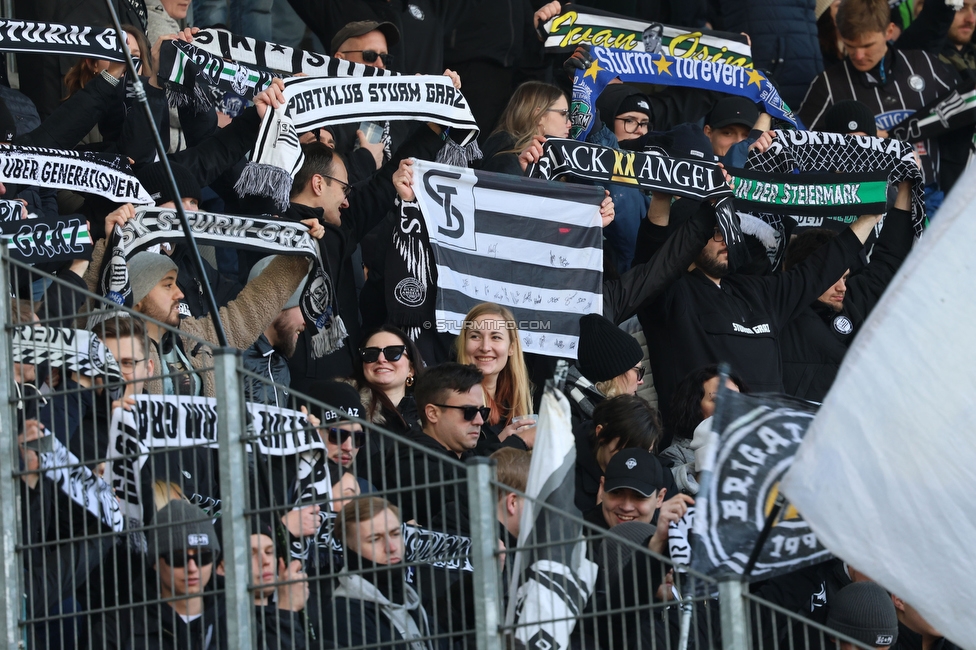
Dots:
{"x": 645, "y": 67}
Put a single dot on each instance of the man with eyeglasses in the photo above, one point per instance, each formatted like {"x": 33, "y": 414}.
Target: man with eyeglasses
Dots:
{"x": 451, "y": 405}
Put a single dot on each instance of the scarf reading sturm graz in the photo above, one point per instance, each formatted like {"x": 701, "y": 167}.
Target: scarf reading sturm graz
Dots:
{"x": 106, "y": 175}
{"x": 156, "y": 226}
{"x": 315, "y": 102}
{"x": 46, "y": 239}
{"x": 643, "y": 67}
{"x": 52, "y": 38}
{"x": 596, "y": 27}
{"x": 795, "y": 152}
{"x": 158, "y": 422}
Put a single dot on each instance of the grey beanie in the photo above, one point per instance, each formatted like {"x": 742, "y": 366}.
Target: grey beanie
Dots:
{"x": 259, "y": 268}
{"x": 145, "y": 271}
{"x": 864, "y": 612}
{"x": 182, "y": 526}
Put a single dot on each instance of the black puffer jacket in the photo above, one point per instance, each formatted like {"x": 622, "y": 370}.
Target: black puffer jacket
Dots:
{"x": 784, "y": 41}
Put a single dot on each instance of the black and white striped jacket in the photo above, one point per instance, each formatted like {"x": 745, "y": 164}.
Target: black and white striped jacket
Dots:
{"x": 912, "y": 79}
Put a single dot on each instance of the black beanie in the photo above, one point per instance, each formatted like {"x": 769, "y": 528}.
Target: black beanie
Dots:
{"x": 864, "y": 611}
{"x": 849, "y": 116}
{"x": 8, "y": 127}
{"x": 153, "y": 178}
{"x": 637, "y": 103}
{"x": 605, "y": 350}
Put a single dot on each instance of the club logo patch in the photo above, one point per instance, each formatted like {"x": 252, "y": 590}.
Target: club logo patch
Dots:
{"x": 416, "y": 12}
{"x": 631, "y": 463}
{"x": 843, "y": 325}
{"x": 410, "y": 292}
{"x": 916, "y": 83}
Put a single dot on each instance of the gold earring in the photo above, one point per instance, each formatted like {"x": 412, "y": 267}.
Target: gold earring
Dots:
{"x": 409, "y": 381}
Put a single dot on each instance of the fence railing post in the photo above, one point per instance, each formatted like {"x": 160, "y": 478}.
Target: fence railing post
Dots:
{"x": 734, "y": 614}
{"x": 484, "y": 541}
{"x": 10, "y": 573}
{"x": 236, "y": 545}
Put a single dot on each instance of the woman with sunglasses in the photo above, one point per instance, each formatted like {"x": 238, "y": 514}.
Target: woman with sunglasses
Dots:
{"x": 489, "y": 340}
{"x": 389, "y": 364}
{"x": 535, "y": 109}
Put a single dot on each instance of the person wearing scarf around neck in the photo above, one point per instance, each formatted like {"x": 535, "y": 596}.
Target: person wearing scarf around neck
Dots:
{"x": 373, "y": 603}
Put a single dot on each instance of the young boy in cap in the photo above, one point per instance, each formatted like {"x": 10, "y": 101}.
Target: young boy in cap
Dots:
{"x": 632, "y": 489}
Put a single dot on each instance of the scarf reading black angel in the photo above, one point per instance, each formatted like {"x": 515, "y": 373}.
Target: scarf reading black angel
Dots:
{"x": 156, "y": 226}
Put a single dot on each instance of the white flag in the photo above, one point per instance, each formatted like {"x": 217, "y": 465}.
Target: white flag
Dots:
{"x": 887, "y": 472}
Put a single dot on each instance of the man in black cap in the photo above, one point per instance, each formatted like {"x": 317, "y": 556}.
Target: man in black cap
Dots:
{"x": 633, "y": 489}
{"x": 850, "y": 117}
{"x": 735, "y": 126}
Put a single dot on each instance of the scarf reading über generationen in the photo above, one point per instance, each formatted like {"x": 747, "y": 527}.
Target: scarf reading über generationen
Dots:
{"x": 273, "y": 237}
{"x": 643, "y": 67}
{"x": 106, "y": 175}
{"x": 313, "y": 102}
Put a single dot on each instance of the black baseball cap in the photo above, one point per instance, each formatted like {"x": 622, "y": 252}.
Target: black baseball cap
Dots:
{"x": 849, "y": 116}
{"x": 360, "y": 27}
{"x": 636, "y": 469}
{"x": 733, "y": 110}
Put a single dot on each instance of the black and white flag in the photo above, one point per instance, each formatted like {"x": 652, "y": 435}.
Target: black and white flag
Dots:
{"x": 553, "y": 580}
{"x": 533, "y": 246}
{"x": 758, "y": 438}
{"x": 159, "y": 422}
{"x": 52, "y": 38}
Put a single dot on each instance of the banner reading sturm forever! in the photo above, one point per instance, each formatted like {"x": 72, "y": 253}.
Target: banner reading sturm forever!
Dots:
{"x": 592, "y": 26}
{"x": 644, "y": 67}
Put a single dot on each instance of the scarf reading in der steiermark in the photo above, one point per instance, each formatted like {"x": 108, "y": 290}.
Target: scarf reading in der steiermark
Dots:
{"x": 800, "y": 152}
{"x": 643, "y": 67}
{"x": 313, "y": 102}
{"x": 273, "y": 237}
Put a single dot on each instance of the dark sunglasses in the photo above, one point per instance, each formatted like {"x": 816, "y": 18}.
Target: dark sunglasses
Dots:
{"x": 180, "y": 560}
{"x": 468, "y": 412}
{"x": 339, "y": 436}
{"x": 640, "y": 372}
{"x": 391, "y": 353}
{"x": 370, "y": 56}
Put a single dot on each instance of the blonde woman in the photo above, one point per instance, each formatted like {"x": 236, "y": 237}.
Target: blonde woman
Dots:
{"x": 535, "y": 110}
{"x": 489, "y": 340}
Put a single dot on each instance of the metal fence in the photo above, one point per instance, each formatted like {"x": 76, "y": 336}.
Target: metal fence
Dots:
{"x": 235, "y": 521}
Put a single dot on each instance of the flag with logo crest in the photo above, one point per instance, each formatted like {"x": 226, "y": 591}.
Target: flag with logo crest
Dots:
{"x": 533, "y": 246}
{"x": 758, "y": 435}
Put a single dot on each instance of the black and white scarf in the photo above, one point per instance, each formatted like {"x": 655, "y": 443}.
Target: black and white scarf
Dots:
{"x": 74, "y": 350}
{"x": 409, "y": 274}
{"x": 168, "y": 422}
{"x": 53, "y": 38}
{"x": 81, "y": 485}
{"x": 271, "y": 56}
{"x": 11, "y": 210}
{"x": 182, "y": 67}
{"x": 275, "y": 237}
{"x": 315, "y": 102}
{"x": 46, "y": 239}
{"x": 106, "y": 175}
{"x": 947, "y": 113}
{"x": 647, "y": 170}
{"x": 795, "y": 152}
